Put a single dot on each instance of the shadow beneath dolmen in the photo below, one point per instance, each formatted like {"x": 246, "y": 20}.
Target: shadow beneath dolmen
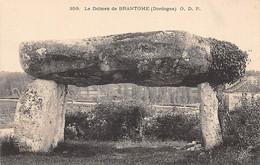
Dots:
{"x": 92, "y": 148}
{"x": 128, "y": 152}
{"x": 83, "y": 149}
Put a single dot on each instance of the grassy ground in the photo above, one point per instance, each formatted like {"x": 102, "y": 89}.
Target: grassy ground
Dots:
{"x": 128, "y": 153}
{"x": 92, "y": 153}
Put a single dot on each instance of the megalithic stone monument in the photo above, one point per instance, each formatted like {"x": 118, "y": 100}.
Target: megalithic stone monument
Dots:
{"x": 163, "y": 58}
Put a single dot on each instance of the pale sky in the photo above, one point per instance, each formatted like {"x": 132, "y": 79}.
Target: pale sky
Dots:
{"x": 236, "y": 21}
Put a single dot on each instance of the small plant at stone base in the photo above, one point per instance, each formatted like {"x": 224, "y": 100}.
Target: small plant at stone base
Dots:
{"x": 9, "y": 146}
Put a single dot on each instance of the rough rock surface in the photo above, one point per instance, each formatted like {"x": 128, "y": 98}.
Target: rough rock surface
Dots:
{"x": 163, "y": 58}
{"x": 40, "y": 116}
{"x": 210, "y": 126}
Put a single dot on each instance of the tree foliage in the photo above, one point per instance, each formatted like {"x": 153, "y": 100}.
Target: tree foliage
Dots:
{"x": 228, "y": 62}
{"x": 13, "y": 83}
{"x": 108, "y": 121}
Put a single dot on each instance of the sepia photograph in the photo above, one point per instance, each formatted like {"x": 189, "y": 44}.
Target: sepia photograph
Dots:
{"x": 125, "y": 82}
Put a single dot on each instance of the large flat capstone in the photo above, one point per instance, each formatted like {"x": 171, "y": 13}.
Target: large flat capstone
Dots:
{"x": 163, "y": 58}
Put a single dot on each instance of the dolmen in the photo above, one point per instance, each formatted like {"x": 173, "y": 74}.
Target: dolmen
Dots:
{"x": 155, "y": 59}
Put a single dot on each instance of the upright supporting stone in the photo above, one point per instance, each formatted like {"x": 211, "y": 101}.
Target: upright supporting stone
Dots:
{"x": 40, "y": 116}
{"x": 211, "y": 131}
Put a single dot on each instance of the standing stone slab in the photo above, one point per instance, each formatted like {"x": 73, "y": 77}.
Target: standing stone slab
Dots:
{"x": 211, "y": 131}
{"x": 40, "y": 116}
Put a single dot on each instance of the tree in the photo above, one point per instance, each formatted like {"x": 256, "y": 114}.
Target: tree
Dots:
{"x": 119, "y": 89}
{"x": 152, "y": 94}
{"x": 126, "y": 90}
